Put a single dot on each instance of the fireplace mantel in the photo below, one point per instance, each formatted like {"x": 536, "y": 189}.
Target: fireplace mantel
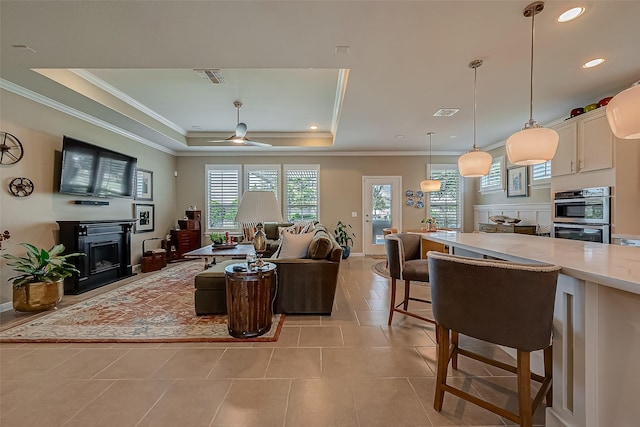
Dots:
{"x": 107, "y": 248}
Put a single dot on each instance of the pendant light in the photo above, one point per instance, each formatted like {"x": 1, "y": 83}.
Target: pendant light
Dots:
{"x": 534, "y": 144}
{"x": 475, "y": 163}
{"x": 623, "y": 113}
{"x": 429, "y": 185}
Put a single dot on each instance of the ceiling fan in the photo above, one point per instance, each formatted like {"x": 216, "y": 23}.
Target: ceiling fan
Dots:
{"x": 241, "y": 130}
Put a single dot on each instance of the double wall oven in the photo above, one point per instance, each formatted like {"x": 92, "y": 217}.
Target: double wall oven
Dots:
{"x": 583, "y": 214}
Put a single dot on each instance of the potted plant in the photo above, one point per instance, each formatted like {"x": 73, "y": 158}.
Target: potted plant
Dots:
{"x": 431, "y": 224}
{"x": 217, "y": 238}
{"x": 40, "y": 283}
{"x": 344, "y": 237}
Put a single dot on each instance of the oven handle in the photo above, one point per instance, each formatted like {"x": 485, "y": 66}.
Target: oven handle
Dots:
{"x": 586, "y": 201}
{"x": 587, "y": 226}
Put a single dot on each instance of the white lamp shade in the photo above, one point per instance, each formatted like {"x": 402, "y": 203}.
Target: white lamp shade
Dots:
{"x": 623, "y": 113}
{"x": 532, "y": 146}
{"x": 429, "y": 185}
{"x": 259, "y": 206}
{"x": 474, "y": 163}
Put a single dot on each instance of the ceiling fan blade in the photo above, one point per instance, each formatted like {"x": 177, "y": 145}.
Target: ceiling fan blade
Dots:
{"x": 241, "y": 130}
{"x": 255, "y": 143}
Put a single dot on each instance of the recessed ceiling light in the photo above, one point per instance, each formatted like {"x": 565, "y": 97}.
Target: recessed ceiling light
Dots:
{"x": 313, "y": 127}
{"x": 446, "y": 112}
{"x": 196, "y": 127}
{"x": 593, "y": 63}
{"x": 342, "y": 49}
{"x": 399, "y": 136}
{"x": 570, "y": 14}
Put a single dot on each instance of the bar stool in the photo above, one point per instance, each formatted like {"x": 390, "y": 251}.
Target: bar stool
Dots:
{"x": 500, "y": 302}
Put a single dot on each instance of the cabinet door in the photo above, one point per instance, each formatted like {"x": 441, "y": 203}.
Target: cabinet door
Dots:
{"x": 596, "y": 144}
{"x": 564, "y": 162}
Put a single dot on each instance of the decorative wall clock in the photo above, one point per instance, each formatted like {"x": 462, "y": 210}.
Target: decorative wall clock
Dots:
{"x": 11, "y": 150}
{"x": 21, "y": 187}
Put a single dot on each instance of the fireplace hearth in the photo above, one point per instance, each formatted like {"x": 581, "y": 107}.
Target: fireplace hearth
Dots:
{"x": 107, "y": 248}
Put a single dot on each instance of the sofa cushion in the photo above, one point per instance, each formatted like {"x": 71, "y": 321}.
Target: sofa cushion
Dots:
{"x": 294, "y": 245}
{"x": 320, "y": 246}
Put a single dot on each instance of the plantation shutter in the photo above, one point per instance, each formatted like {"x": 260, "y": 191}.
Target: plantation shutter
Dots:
{"x": 302, "y": 193}
{"x": 263, "y": 178}
{"x": 493, "y": 181}
{"x": 541, "y": 171}
{"x": 446, "y": 205}
{"x": 223, "y": 194}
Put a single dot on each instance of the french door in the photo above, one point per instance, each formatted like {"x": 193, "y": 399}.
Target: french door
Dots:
{"x": 382, "y": 208}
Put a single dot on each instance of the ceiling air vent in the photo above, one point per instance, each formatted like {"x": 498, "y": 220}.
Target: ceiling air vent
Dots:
{"x": 215, "y": 75}
{"x": 446, "y": 112}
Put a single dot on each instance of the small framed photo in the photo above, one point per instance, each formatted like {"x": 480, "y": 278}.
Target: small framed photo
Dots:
{"x": 145, "y": 218}
{"x": 517, "y": 182}
{"x": 144, "y": 185}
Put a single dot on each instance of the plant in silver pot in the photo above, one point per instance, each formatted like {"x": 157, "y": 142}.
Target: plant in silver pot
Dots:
{"x": 39, "y": 284}
{"x": 344, "y": 237}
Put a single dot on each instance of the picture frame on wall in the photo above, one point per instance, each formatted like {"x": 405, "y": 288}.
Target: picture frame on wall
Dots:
{"x": 517, "y": 182}
{"x": 145, "y": 218}
{"x": 144, "y": 184}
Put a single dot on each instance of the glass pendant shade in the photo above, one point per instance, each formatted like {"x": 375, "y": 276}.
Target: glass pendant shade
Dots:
{"x": 623, "y": 113}
{"x": 475, "y": 163}
{"x": 532, "y": 146}
{"x": 429, "y": 185}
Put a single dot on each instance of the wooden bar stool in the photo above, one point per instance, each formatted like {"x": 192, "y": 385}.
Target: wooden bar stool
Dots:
{"x": 500, "y": 302}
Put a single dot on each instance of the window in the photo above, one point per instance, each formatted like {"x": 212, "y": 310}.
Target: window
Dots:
{"x": 302, "y": 192}
{"x": 541, "y": 174}
{"x": 223, "y": 195}
{"x": 446, "y": 205}
{"x": 494, "y": 180}
{"x": 262, "y": 177}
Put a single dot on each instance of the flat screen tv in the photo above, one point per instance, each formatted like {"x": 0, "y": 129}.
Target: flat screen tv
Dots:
{"x": 89, "y": 170}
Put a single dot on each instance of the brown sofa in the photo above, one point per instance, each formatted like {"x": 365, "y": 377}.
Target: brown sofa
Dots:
{"x": 304, "y": 286}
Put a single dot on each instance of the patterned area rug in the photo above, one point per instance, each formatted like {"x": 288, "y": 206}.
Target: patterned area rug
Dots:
{"x": 380, "y": 268}
{"x": 155, "y": 308}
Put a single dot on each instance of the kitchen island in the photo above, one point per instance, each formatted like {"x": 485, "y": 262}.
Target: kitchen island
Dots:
{"x": 596, "y": 354}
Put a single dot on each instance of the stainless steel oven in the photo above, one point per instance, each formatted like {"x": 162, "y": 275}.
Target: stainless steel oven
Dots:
{"x": 583, "y": 215}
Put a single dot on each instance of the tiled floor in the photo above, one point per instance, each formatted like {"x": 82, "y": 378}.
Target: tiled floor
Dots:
{"x": 349, "y": 369}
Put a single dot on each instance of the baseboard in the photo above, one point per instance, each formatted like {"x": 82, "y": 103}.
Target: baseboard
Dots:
{"x": 6, "y": 306}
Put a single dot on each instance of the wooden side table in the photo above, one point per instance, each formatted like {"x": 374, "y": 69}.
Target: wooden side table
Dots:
{"x": 250, "y": 296}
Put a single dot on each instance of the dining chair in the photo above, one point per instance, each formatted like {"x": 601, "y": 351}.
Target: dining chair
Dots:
{"x": 500, "y": 302}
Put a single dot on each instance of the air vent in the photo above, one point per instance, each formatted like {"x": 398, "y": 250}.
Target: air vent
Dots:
{"x": 446, "y": 112}
{"x": 214, "y": 75}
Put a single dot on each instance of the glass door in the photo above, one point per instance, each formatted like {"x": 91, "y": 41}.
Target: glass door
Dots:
{"x": 381, "y": 209}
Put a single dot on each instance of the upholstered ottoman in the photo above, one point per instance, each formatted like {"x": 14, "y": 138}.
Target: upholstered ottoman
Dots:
{"x": 211, "y": 294}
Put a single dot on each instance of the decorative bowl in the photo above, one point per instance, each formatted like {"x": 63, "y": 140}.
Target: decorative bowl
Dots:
{"x": 501, "y": 219}
{"x": 605, "y": 101}
{"x": 590, "y": 107}
{"x": 577, "y": 111}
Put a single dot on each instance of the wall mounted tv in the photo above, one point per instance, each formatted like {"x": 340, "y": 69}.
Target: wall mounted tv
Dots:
{"x": 89, "y": 170}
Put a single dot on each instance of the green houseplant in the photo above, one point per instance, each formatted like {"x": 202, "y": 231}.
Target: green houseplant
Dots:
{"x": 431, "y": 223}
{"x": 344, "y": 236}
{"x": 217, "y": 238}
{"x": 39, "y": 284}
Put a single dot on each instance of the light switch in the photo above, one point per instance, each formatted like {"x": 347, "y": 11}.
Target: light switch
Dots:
{"x": 354, "y": 214}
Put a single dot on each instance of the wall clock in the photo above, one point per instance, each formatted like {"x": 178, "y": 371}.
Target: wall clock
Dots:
{"x": 21, "y": 187}
{"x": 11, "y": 150}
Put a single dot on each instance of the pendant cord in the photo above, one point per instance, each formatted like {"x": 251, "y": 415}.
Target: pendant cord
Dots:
{"x": 533, "y": 17}
{"x": 475, "y": 78}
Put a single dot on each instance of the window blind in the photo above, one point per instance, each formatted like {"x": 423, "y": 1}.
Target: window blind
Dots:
{"x": 446, "y": 205}
{"x": 223, "y": 194}
{"x": 493, "y": 181}
{"x": 302, "y": 194}
{"x": 541, "y": 171}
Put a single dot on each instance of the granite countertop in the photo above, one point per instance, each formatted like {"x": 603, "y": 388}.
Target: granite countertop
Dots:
{"x": 610, "y": 265}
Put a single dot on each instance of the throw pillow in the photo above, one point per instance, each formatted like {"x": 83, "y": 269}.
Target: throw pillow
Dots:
{"x": 308, "y": 228}
{"x": 320, "y": 246}
{"x": 249, "y": 230}
{"x": 294, "y": 245}
{"x": 290, "y": 230}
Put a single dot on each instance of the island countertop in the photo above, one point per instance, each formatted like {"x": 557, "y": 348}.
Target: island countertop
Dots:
{"x": 610, "y": 265}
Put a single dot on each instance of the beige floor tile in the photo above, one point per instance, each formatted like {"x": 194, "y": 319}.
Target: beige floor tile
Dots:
{"x": 378, "y": 304}
{"x": 36, "y": 363}
{"x": 388, "y": 402}
{"x": 295, "y": 363}
{"x": 190, "y": 363}
{"x": 137, "y": 363}
{"x": 87, "y": 363}
{"x": 125, "y": 403}
{"x": 321, "y": 336}
{"x": 348, "y": 362}
{"x": 301, "y": 320}
{"x": 321, "y": 403}
{"x": 399, "y": 362}
{"x": 372, "y": 317}
{"x": 409, "y": 335}
{"x": 365, "y": 336}
{"x": 289, "y": 337}
{"x": 203, "y": 398}
{"x": 242, "y": 363}
{"x": 9, "y": 354}
{"x": 466, "y": 367}
{"x": 341, "y": 316}
{"x": 259, "y": 403}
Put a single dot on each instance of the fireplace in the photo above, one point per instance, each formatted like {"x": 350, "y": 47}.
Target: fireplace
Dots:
{"x": 107, "y": 248}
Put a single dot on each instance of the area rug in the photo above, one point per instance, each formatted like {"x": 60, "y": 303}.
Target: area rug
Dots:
{"x": 380, "y": 268}
{"x": 155, "y": 308}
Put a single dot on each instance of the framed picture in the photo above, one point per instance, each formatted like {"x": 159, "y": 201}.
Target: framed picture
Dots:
{"x": 144, "y": 184}
{"x": 145, "y": 218}
{"x": 517, "y": 182}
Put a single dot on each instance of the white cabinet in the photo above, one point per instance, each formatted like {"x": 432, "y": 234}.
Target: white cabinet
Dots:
{"x": 586, "y": 144}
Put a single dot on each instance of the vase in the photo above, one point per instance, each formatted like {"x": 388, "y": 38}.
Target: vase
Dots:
{"x": 346, "y": 251}
{"x": 37, "y": 296}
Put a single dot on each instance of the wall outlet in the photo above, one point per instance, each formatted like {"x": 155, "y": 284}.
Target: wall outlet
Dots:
{"x": 354, "y": 214}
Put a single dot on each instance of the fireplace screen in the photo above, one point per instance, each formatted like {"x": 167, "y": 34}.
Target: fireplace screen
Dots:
{"x": 103, "y": 256}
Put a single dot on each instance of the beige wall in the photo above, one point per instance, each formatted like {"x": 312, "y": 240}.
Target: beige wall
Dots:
{"x": 340, "y": 184}
{"x": 33, "y": 219}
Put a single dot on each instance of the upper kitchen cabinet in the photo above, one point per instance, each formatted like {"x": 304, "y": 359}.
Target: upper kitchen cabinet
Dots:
{"x": 585, "y": 145}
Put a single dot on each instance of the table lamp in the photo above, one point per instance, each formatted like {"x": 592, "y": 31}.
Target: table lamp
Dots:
{"x": 259, "y": 206}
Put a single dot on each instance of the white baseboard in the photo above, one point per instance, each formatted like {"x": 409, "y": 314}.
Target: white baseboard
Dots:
{"x": 6, "y": 306}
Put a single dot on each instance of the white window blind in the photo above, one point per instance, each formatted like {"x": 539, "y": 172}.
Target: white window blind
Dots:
{"x": 262, "y": 178}
{"x": 302, "y": 193}
{"x": 541, "y": 171}
{"x": 223, "y": 195}
{"x": 446, "y": 205}
{"x": 493, "y": 181}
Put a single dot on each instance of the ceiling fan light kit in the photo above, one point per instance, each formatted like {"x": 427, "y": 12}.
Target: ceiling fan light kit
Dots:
{"x": 623, "y": 113}
{"x": 474, "y": 163}
{"x": 430, "y": 185}
{"x": 533, "y": 144}
{"x": 239, "y": 137}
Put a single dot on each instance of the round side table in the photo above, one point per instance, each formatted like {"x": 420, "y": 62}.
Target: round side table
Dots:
{"x": 249, "y": 298}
